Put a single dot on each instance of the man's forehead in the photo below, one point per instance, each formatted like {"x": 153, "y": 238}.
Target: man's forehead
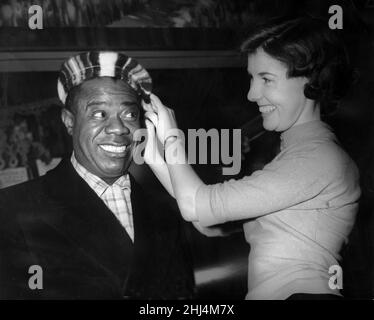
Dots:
{"x": 108, "y": 86}
{"x": 107, "y": 82}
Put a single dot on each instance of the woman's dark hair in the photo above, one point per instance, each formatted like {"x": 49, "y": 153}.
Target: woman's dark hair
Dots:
{"x": 309, "y": 49}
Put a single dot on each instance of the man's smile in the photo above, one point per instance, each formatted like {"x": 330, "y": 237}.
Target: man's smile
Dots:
{"x": 114, "y": 149}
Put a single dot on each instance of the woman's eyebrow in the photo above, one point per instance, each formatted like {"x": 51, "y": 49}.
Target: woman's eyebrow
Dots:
{"x": 265, "y": 73}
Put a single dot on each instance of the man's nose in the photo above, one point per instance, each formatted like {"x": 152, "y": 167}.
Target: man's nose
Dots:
{"x": 116, "y": 126}
{"x": 254, "y": 93}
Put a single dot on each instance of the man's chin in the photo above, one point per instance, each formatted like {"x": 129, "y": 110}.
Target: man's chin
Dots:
{"x": 111, "y": 176}
{"x": 118, "y": 169}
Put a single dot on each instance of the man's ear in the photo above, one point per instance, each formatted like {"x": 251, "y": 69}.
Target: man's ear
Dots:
{"x": 67, "y": 118}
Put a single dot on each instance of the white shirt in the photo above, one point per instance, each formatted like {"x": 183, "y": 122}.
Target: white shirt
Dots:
{"x": 117, "y": 197}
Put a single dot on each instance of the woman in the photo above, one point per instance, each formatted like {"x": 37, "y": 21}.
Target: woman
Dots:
{"x": 300, "y": 208}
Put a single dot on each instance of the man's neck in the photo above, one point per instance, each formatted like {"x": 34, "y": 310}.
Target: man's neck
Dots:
{"x": 108, "y": 180}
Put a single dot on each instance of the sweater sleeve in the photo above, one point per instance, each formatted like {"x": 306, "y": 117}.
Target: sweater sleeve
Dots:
{"x": 283, "y": 183}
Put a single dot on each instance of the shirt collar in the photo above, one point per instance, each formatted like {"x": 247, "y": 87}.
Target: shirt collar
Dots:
{"x": 306, "y": 131}
{"x": 96, "y": 183}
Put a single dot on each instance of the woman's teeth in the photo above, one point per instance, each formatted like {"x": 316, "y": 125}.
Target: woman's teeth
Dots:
{"x": 267, "y": 109}
{"x": 115, "y": 149}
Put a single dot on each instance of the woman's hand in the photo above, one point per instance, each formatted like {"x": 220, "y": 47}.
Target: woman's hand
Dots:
{"x": 181, "y": 179}
{"x": 153, "y": 153}
{"x": 166, "y": 122}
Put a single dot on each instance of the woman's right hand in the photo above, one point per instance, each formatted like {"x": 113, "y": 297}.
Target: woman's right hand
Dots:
{"x": 166, "y": 122}
{"x": 153, "y": 153}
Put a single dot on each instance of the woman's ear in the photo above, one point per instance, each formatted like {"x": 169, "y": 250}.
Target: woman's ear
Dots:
{"x": 311, "y": 92}
{"x": 67, "y": 118}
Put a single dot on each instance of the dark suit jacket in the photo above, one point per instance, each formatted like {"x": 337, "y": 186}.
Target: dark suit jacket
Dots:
{"x": 60, "y": 224}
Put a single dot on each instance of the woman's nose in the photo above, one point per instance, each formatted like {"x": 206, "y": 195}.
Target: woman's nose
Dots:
{"x": 254, "y": 93}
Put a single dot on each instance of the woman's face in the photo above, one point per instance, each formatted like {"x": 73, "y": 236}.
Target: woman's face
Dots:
{"x": 281, "y": 100}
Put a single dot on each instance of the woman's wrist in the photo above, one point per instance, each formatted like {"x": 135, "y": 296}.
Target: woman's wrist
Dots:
{"x": 174, "y": 151}
{"x": 170, "y": 139}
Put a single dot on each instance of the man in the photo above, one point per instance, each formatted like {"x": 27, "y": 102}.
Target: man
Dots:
{"x": 86, "y": 228}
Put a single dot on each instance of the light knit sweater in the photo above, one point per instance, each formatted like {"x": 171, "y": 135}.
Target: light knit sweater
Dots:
{"x": 301, "y": 206}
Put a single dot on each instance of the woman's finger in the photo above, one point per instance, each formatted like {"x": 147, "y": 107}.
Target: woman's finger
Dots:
{"x": 151, "y": 116}
{"x": 150, "y": 128}
{"x": 171, "y": 112}
{"x": 155, "y": 99}
{"x": 157, "y": 104}
{"x": 151, "y": 137}
{"x": 146, "y": 106}
{"x": 149, "y": 151}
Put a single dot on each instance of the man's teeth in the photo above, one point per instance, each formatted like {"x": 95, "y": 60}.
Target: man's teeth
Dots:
{"x": 115, "y": 149}
{"x": 267, "y": 109}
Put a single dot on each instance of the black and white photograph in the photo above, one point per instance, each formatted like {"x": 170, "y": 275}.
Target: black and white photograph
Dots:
{"x": 167, "y": 150}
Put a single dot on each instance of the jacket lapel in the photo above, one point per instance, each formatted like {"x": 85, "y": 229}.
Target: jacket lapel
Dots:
{"x": 139, "y": 208}
{"x": 83, "y": 218}
{"x": 153, "y": 249}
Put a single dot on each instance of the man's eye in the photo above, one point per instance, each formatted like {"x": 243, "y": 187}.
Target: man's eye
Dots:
{"x": 98, "y": 114}
{"x": 131, "y": 115}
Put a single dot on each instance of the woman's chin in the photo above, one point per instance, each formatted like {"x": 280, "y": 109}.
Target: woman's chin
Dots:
{"x": 268, "y": 125}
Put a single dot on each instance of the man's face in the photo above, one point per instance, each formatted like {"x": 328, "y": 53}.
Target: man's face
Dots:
{"x": 103, "y": 121}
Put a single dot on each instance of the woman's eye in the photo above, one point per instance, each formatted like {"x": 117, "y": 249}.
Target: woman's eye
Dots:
{"x": 266, "y": 80}
{"x": 98, "y": 114}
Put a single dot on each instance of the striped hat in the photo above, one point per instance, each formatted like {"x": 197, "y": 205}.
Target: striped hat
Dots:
{"x": 94, "y": 64}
